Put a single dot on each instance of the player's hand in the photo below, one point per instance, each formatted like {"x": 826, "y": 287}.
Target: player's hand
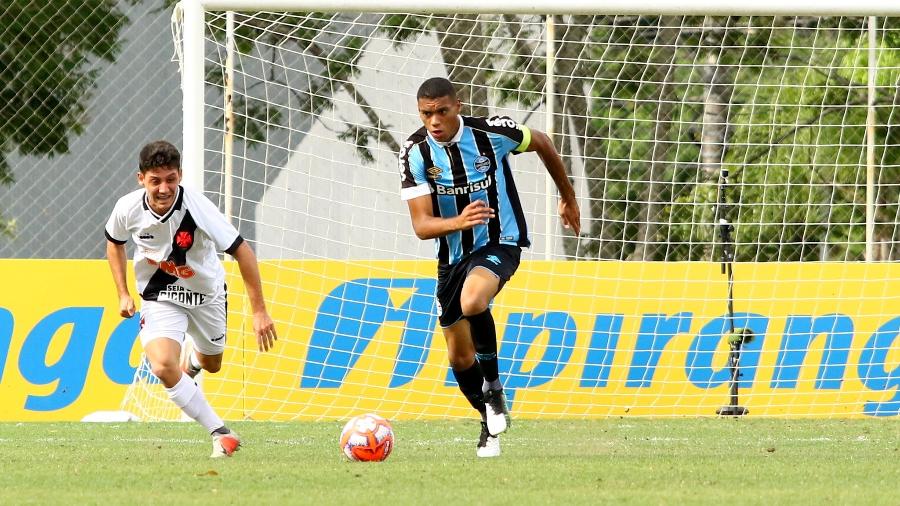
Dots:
{"x": 265, "y": 331}
{"x": 476, "y": 213}
{"x": 570, "y": 215}
{"x": 126, "y": 306}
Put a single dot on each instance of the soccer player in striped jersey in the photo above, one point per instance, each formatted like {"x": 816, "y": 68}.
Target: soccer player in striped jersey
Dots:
{"x": 457, "y": 180}
{"x": 178, "y": 233}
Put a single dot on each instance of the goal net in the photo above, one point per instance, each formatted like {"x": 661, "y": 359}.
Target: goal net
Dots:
{"x": 691, "y": 141}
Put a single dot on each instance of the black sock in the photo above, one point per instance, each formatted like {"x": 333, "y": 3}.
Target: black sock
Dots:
{"x": 484, "y": 335}
{"x": 470, "y": 381}
{"x": 221, "y": 431}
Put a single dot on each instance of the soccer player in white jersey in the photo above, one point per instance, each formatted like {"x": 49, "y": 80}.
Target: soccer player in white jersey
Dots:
{"x": 178, "y": 233}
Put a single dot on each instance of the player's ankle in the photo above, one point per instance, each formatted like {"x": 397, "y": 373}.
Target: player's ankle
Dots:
{"x": 221, "y": 431}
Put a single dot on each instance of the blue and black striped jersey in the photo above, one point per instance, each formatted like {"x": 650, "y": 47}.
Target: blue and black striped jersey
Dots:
{"x": 474, "y": 165}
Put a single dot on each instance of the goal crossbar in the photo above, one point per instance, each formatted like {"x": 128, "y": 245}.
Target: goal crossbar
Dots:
{"x": 667, "y": 7}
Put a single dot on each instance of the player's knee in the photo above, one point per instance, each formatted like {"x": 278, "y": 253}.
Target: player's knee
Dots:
{"x": 461, "y": 361}
{"x": 213, "y": 368}
{"x": 168, "y": 373}
{"x": 473, "y": 305}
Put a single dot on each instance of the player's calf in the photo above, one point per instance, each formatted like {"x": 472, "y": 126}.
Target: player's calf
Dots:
{"x": 189, "y": 363}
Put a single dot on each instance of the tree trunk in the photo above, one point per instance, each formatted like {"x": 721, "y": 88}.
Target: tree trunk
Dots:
{"x": 714, "y": 128}
{"x": 652, "y": 192}
{"x": 570, "y": 97}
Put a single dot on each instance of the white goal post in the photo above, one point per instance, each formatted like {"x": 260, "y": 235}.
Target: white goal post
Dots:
{"x": 734, "y": 161}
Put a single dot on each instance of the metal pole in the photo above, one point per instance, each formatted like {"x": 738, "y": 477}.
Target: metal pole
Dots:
{"x": 735, "y": 342}
{"x": 193, "y": 105}
{"x": 870, "y": 144}
{"x": 228, "y": 147}
{"x": 550, "y": 102}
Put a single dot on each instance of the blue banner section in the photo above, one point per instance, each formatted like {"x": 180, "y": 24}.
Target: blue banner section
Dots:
{"x": 873, "y": 371}
{"x": 350, "y": 316}
{"x": 701, "y": 371}
{"x": 799, "y": 333}
{"x": 522, "y": 330}
{"x": 353, "y": 313}
{"x": 76, "y": 330}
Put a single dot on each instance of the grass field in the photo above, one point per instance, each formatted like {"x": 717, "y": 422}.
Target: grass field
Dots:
{"x": 618, "y": 461}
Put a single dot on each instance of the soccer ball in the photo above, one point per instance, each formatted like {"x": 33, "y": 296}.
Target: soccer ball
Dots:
{"x": 367, "y": 438}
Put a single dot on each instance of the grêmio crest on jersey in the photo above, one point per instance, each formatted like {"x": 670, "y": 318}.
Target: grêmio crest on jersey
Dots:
{"x": 176, "y": 254}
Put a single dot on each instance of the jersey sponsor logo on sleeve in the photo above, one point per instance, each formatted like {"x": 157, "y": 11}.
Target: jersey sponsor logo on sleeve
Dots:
{"x": 502, "y": 121}
{"x": 402, "y": 159}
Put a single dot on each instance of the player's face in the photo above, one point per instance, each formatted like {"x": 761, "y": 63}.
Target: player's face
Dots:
{"x": 440, "y": 117}
{"x": 161, "y": 184}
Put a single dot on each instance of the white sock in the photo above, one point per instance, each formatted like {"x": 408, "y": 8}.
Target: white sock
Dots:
{"x": 492, "y": 385}
{"x": 188, "y": 396}
{"x": 194, "y": 364}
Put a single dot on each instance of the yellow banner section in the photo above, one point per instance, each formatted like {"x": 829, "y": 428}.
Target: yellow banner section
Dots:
{"x": 577, "y": 339}
{"x": 64, "y": 350}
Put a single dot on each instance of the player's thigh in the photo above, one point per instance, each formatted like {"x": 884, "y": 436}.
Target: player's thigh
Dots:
{"x": 449, "y": 288}
{"x": 163, "y": 355}
{"x": 460, "y": 348}
{"x": 162, "y": 320}
{"x": 488, "y": 269}
{"x": 480, "y": 287}
{"x": 207, "y": 326}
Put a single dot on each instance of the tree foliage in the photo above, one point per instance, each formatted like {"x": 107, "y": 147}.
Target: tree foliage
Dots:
{"x": 48, "y": 52}
{"x": 655, "y": 108}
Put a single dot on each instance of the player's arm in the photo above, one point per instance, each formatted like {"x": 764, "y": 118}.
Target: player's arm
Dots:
{"x": 115, "y": 254}
{"x": 262, "y": 322}
{"x": 568, "y": 205}
{"x": 429, "y": 226}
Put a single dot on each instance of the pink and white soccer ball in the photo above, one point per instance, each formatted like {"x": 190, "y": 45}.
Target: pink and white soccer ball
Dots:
{"x": 367, "y": 438}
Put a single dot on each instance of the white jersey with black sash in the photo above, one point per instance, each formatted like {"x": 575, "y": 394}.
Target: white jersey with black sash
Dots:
{"x": 176, "y": 255}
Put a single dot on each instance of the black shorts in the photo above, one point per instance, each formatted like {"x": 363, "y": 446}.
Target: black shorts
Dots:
{"x": 501, "y": 259}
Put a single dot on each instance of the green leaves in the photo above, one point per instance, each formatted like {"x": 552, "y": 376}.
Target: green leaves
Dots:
{"x": 48, "y": 67}
{"x": 653, "y": 107}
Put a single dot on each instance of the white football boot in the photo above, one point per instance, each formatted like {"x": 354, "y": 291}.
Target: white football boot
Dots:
{"x": 488, "y": 445}
{"x": 224, "y": 445}
{"x": 497, "y": 413}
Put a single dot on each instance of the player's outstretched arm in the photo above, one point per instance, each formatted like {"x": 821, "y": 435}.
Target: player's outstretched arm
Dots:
{"x": 568, "y": 205}
{"x": 263, "y": 325}
{"x": 429, "y": 226}
{"x": 115, "y": 254}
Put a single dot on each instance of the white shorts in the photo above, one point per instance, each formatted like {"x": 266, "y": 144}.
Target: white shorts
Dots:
{"x": 205, "y": 324}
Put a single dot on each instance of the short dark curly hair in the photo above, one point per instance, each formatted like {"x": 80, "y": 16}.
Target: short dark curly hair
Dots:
{"x": 159, "y": 154}
{"x": 436, "y": 87}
